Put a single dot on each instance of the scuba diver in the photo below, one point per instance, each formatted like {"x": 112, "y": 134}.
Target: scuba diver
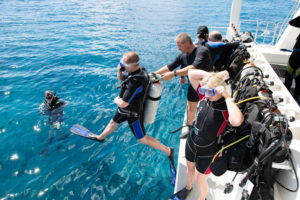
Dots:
{"x": 213, "y": 115}
{"x": 220, "y": 51}
{"x": 202, "y": 35}
{"x": 130, "y": 104}
{"x": 191, "y": 57}
{"x": 54, "y": 107}
{"x": 293, "y": 65}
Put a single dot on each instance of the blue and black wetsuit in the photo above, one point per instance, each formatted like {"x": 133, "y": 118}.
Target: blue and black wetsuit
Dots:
{"x": 201, "y": 145}
{"x": 220, "y": 53}
{"x": 133, "y": 92}
{"x": 293, "y": 68}
{"x": 199, "y": 58}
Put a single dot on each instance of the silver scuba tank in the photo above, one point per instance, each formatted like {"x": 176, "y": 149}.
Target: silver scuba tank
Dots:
{"x": 152, "y": 99}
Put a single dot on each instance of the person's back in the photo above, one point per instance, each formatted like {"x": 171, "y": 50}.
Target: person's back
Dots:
{"x": 220, "y": 51}
{"x": 293, "y": 69}
{"x": 202, "y": 35}
{"x": 138, "y": 77}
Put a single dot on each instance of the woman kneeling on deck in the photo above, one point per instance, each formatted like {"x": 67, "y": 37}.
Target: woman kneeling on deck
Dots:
{"x": 213, "y": 114}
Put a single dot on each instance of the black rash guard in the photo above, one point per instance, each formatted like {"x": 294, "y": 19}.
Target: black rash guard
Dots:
{"x": 199, "y": 58}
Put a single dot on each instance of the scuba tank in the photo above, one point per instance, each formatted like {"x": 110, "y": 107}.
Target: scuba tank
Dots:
{"x": 152, "y": 99}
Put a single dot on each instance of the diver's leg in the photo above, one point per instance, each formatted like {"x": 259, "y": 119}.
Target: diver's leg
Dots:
{"x": 154, "y": 143}
{"x": 191, "y": 166}
{"x": 288, "y": 78}
{"x": 297, "y": 86}
{"x": 110, "y": 127}
{"x": 192, "y": 101}
{"x": 192, "y": 108}
{"x": 202, "y": 185}
{"x": 138, "y": 129}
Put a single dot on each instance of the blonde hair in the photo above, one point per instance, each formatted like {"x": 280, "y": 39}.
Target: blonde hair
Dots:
{"x": 213, "y": 80}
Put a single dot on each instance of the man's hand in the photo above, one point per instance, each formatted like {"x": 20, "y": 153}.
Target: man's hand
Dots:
{"x": 167, "y": 76}
{"x": 182, "y": 80}
{"x": 116, "y": 99}
{"x": 120, "y": 102}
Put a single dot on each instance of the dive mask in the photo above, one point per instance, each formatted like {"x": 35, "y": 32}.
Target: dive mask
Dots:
{"x": 123, "y": 65}
{"x": 206, "y": 90}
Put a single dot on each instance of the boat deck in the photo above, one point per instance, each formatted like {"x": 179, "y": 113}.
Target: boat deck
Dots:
{"x": 288, "y": 107}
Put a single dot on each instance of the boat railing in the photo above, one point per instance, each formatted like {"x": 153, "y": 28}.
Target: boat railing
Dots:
{"x": 266, "y": 32}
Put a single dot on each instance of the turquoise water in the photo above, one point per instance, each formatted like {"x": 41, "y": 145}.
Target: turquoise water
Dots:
{"x": 72, "y": 47}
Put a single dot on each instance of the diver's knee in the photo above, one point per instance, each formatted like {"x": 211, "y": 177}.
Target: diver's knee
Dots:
{"x": 143, "y": 140}
{"x": 113, "y": 123}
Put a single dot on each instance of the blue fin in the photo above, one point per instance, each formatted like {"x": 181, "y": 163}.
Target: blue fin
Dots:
{"x": 180, "y": 195}
{"x": 84, "y": 132}
{"x": 173, "y": 173}
{"x": 172, "y": 167}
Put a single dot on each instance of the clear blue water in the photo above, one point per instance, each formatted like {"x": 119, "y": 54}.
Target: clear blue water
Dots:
{"x": 72, "y": 47}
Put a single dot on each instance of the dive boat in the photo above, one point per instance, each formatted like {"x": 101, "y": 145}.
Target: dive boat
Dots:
{"x": 287, "y": 174}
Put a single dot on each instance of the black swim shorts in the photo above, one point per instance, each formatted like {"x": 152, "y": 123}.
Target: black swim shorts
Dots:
{"x": 192, "y": 94}
{"x": 134, "y": 122}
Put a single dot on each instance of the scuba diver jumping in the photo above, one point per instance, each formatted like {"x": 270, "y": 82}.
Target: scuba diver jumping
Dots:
{"x": 130, "y": 102}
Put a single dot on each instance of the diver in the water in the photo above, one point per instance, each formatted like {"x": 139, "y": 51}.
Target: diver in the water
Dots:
{"x": 54, "y": 107}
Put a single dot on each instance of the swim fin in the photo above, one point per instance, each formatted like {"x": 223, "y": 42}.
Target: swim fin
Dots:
{"x": 84, "y": 132}
{"x": 181, "y": 194}
{"x": 172, "y": 167}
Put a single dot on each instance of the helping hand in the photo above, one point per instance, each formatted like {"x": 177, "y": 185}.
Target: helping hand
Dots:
{"x": 116, "y": 99}
{"x": 167, "y": 76}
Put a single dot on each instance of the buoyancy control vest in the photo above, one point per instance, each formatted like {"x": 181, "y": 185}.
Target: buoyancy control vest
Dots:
{"x": 152, "y": 94}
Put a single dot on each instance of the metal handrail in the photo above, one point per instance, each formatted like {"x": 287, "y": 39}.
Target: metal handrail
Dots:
{"x": 292, "y": 12}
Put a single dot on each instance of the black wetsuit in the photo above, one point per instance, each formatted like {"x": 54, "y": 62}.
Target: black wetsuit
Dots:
{"x": 220, "y": 53}
{"x": 55, "y": 103}
{"x": 133, "y": 92}
{"x": 199, "y": 58}
{"x": 201, "y": 145}
{"x": 293, "y": 68}
{"x": 54, "y": 109}
{"x": 201, "y": 42}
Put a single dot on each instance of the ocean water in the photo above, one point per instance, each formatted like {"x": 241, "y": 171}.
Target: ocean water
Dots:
{"x": 72, "y": 47}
